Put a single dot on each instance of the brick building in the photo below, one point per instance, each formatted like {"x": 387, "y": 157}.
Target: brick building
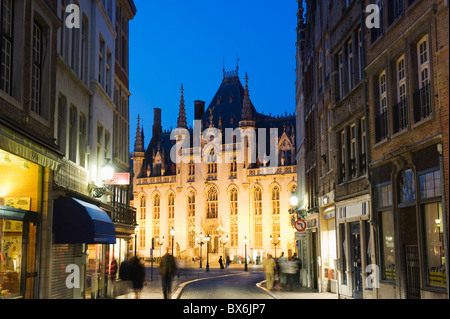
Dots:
{"x": 407, "y": 76}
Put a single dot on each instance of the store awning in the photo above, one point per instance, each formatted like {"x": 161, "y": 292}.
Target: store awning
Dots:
{"x": 78, "y": 222}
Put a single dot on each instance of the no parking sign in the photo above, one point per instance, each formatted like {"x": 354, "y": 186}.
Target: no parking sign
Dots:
{"x": 300, "y": 225}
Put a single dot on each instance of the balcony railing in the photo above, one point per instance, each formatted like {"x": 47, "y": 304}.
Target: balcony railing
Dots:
{"x": 157, "y": 180}
{"x": 73, "y": 177}
{"x": 123, "y": 214}
{"x": 381, "y": 127}
{"x": 422, "y": 103}
{"x": 400, "y": 116}
{"x": 272, "y": 170}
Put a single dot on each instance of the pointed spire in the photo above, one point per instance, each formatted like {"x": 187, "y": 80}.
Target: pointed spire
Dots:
{"x": 139, "y": 142}
{"x": 182, "y": 122}
{"x": 247, "y": 107}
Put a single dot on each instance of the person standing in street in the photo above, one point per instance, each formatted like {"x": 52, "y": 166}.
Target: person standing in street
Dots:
{"x": 227, "y": 262}
{"x": 167, "y": 269}
{"x": 269, "y": 269}
{"x": 136, "y": 274}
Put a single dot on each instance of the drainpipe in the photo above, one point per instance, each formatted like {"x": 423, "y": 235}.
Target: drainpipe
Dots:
{"x": 444, "y": 211}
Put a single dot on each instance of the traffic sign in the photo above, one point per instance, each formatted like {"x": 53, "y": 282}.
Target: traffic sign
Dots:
{"x": 300, "y": 225}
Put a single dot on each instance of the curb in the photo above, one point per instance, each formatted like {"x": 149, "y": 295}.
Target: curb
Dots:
{"x": 181, "y": 286}
{"x": 259, "y": 285}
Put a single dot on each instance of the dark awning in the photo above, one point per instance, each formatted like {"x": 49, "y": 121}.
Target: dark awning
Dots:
{"x": 78, "y": 222}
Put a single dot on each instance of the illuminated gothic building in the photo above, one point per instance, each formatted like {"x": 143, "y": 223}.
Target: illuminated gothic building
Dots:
{"x": 239, "y": 204}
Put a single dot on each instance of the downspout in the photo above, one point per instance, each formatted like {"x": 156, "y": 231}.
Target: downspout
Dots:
{"x": 372, "y": 220}
{"x": 444, "y": 212}
{"x": 440, "y": 148}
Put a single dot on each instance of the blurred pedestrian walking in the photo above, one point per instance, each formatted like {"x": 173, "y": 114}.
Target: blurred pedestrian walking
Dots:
{"x": 282, "y": 270}
{"x": 136, "y": 274}
{"x": 221, "y": 263}
{"x": 227, "y": 262}
{"x": 269, "y": 269}
{"x": 167, "y": 269}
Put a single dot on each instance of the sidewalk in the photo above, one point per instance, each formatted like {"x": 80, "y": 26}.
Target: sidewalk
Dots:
{"x": 299, "y": 293}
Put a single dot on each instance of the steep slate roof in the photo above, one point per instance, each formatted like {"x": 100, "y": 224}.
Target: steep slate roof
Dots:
{"x": 230, "y": 113}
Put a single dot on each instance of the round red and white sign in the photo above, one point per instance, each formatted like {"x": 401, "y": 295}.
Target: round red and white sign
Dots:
{"x": 300, "y": 225}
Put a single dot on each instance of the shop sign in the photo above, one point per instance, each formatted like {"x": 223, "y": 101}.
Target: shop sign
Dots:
{"x": 300, "y": 236}
{"x": 120, "y": 179}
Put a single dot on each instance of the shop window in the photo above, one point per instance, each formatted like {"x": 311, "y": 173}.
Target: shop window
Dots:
{"x": 387, "y": 245}
{"x": 434, "y": 241}
{"x": 10, "y": 258}
{"x": 430, "y": 185}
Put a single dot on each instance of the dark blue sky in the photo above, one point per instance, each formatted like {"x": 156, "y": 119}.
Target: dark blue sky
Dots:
{"x": 185, "y": 41}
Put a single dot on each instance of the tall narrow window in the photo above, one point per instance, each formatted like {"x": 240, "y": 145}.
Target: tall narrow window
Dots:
{"x": 327, "y": 58}
{"x": 36, "y": 78}
{"x": 6, "y": 54}
{"x": 342, "y": 156}
{"x": 211, "y": 203}
{"x": 233, "y": 202}
{"x": 320, "y": 71}
{"x": 191, "y": 204}
{"x": 84, "y": 50}
{"x": 422, "y": 97}
{"x": 62, "y": 125}
{"x": 363, "y": 146}
{"x": 353, "y": 170}
{"x": 381, "y": 125}
{"x": 400, "y": 110}
{"x": 359, "y": 36}
{"x": 350, "y": 64}
{"x": 258, "y": 201}
{"x": 171, "y": 206}
{"x": 276, "y": 201}
{"x": 72, "y": 134}
{"x": 143, "y": 208}
{"x": 82, "y": 140}
{"x": 156, "y": 207}
{"x": 101, "y": 62}
{"x": 341, "y": 74}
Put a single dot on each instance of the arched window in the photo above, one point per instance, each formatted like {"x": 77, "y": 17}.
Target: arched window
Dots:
{"x": 234, "y": 202}
{"x": 156, "y": 207}
{"x": 275, "y": 200}
{"x": 171, "y": 206}
{"x": 211, "y": 203}
{"x": 258, "y": 201}
{"x": 407, "y": 186}
{"x": 212, "y": 165}
{"x": 191, "y": 204}
{"x": 142, "y": 208}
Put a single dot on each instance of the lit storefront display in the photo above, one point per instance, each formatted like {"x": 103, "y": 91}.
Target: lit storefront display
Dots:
{"x": 20, "y": 196}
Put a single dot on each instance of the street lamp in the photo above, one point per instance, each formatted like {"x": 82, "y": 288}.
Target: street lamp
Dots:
{"x": 207, "y": 238}
{"x": 135, "y": 239}
{"x": 172, "y": 233}
{"x": 245, "y": 241}
{"x": 107, "y": 174}
{"x": 293, "y": 200}
{"x": 275, "y": 243}
{"x": 200, "y": 242}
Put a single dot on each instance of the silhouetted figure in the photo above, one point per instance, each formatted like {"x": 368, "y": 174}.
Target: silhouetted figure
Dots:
{"x": 167, "y": 269}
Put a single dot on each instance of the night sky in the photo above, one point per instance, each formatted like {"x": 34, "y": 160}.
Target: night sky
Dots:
{"x": 186, "y": 41}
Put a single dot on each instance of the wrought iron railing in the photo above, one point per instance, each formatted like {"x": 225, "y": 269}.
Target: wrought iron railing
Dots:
{"x": 400, "y": 115}
{"x": 381, "y": 127}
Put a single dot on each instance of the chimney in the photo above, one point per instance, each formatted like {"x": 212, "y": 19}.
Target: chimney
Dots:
{"x": 157, "y": 128}
{"x": 199, "y": 109}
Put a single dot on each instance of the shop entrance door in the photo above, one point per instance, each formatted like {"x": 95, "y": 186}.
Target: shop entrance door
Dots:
{"x": 355, "y": 234}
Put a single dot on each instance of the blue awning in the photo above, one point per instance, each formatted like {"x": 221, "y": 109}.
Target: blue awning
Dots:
{"x": 78, "y": 222}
